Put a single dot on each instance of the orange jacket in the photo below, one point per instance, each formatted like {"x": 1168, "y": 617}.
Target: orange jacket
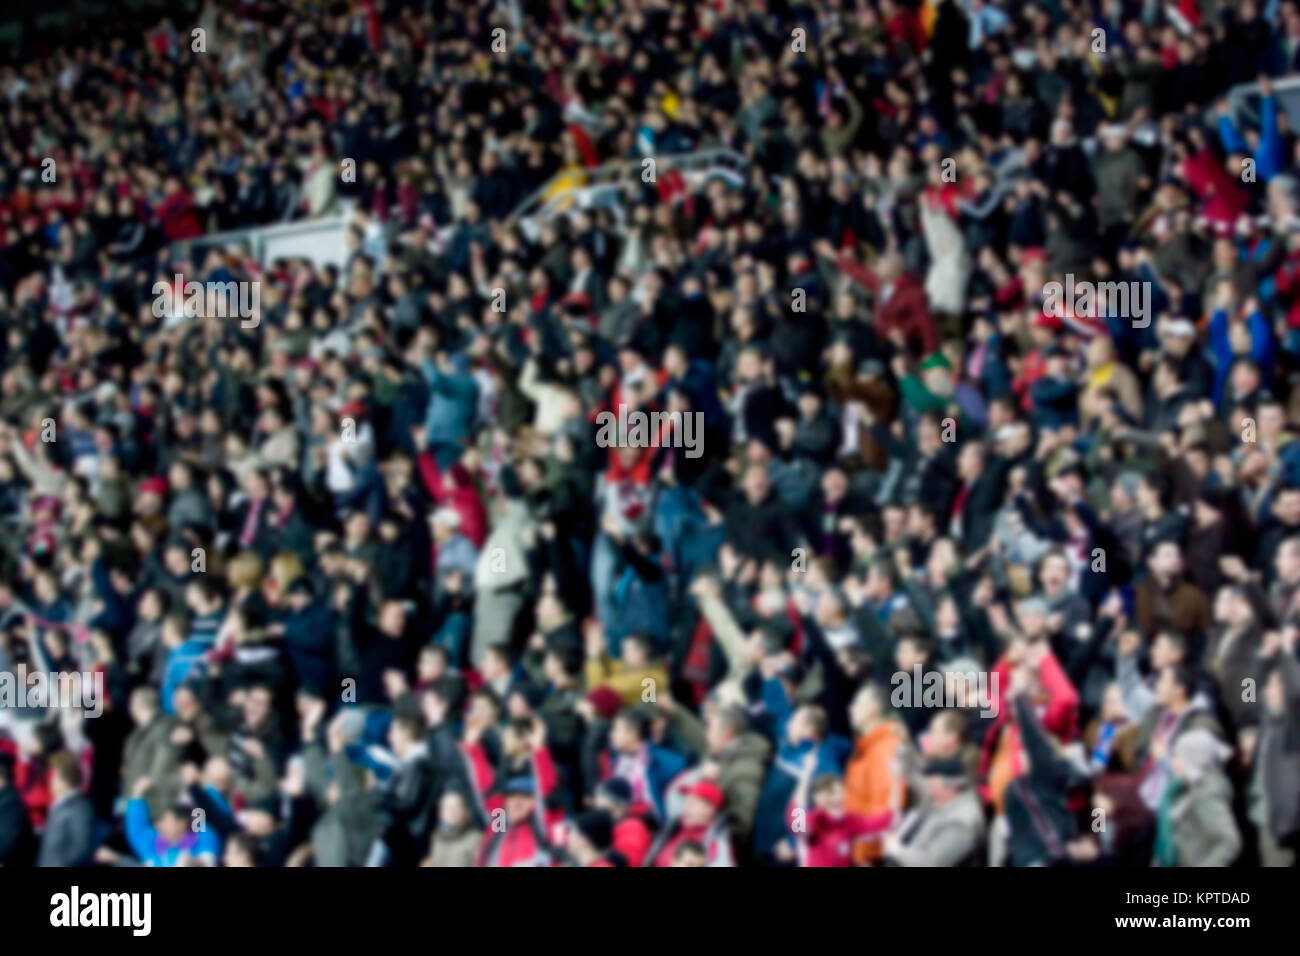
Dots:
{"x": 874, "y": 782}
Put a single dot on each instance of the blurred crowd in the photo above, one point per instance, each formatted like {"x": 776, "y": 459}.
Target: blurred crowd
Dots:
{"x": 960, "y": 576}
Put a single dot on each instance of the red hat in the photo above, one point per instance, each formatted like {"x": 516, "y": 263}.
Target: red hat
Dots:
{"x": 1033, "y": 254}
{"x": 155, "y": 486}
{"x": 606, "y": 701}
{"x": 707, "y": 791}
{"x": 1045, "y": 320}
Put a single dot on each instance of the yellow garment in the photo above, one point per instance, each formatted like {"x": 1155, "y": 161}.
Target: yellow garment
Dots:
{"x": 569, "y": 179}
{"x": 670, "y": 104}
{"x": 1100, "y": 376}
{"x": 628, "y": 684}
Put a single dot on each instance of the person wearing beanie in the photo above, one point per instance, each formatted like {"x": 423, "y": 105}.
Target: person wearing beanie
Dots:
{"x": 522, "y": 841}
{"x": 1195, "y": 825}
{"x": 590, "y": 838}
{"x": 930, "y": 388}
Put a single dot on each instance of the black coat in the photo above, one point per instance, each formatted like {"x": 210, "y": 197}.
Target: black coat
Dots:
{"x": 1037, "y": 807}
{"x": 17, "y": 842}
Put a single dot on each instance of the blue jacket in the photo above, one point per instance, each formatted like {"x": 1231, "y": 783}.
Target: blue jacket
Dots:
{"x": 1056, "y": 402}
{"x": 309, "y": 639}
{"x": 453, "y": 405}
{"x": 181, "y": 663}
{"x": 118, "y": 615}
{"x": 1270, "y": 157}
{"x": 1262, "y": 349}
{"x": 640, "y": 605}
{"x": 662, "y": 766}
{"x": 782, "y": 777}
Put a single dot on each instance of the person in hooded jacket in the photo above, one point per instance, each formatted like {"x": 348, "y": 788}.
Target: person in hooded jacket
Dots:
{"x": 1195, "y": 824}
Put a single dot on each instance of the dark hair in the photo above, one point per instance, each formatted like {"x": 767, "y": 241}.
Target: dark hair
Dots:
{"x": 247, "y": 843}
{"x": 825, "y": 781}
{"x": 689, "y": 846}
{"x": 1159, "y": 482}
{"x": 568, "y": 657}
{"x": 635, "y": 721}
{"x": 411, "y": 724}
{"x": 923, "y": 645}
{"x": 1185, "y": 676}
{"x": 1177, "y": 638}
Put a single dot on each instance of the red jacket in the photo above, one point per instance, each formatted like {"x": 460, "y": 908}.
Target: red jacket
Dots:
{"x": 905, "y": 27}
{"x": 715, "y": 840}
{"x": 516, "y": 845}
{"x": 906, "y": 311}
{"x": 827, "y": 840}
{"x": 632, "y": 836}
{"x": 463, "y": 499}
{"x": 1060, "y": 713}
{"x": 32, "y": 780}
{"x": 178, "y": 216}
{"x": 1287, "y": 283}
{"x": 1222, "y": 198}
{"x": 1034, "y": 367}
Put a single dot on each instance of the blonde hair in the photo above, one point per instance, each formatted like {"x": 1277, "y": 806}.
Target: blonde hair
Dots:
{"x": 245, "y": 570}
{"x": 286, "y": 567}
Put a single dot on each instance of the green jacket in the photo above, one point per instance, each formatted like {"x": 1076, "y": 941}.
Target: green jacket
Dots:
{"x": 149, "y": 753}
